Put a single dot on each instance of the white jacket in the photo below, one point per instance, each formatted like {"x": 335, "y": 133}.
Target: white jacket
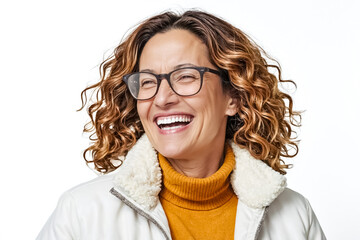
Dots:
{"x": 125, "y": 204}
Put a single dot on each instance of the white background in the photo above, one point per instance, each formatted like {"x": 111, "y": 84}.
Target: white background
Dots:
{"x": 50, "y": 51}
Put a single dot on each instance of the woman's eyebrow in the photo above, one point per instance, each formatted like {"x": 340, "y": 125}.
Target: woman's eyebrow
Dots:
{"x": 176, "y": 67}
{"x": 147, "y": 70}
{"x": 184, "y": 65}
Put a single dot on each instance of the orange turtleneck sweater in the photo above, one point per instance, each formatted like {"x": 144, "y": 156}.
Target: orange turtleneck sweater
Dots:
{"x": 199, "y": 208}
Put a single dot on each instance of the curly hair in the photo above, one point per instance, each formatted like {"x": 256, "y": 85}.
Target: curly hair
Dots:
{"x": 265, "y": 116}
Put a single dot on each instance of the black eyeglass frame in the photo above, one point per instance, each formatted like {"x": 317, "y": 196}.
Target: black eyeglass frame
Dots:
{"x": 160, "y": 77}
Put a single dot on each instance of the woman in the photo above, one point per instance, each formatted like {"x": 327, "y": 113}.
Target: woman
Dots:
{"x": 193, "y": 127}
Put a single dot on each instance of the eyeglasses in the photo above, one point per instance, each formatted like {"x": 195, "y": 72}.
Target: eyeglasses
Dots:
{"x": 185, "y": 81}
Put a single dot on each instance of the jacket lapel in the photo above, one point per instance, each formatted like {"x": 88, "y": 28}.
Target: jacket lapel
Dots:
{"x": 140, "y": 175}
{"x": 254, "y": 182}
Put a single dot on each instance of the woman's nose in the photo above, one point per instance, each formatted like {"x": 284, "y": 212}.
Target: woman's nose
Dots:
{"x": 165, "y": 96}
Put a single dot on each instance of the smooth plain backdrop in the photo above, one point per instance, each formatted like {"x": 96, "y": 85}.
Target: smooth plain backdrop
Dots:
{"x": 50, "y": 51}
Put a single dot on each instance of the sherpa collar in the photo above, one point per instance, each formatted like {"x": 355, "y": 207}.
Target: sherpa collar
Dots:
{"x": 254, "y": 183}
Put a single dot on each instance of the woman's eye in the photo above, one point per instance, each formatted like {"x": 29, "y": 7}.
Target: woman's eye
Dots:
{"x": 185, "y": 78}
{"x": 146, "y": 83}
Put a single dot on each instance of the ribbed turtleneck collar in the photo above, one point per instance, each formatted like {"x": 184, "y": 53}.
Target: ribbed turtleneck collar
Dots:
{"x": 198, "y": 193}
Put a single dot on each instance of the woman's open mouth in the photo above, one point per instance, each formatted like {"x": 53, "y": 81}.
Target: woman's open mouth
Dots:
{"x": 173, "y": 122}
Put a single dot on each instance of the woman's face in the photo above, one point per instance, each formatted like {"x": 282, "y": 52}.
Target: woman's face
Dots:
{"x": 205, "y": 114}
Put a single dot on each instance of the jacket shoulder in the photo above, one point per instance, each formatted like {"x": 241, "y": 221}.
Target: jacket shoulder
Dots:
{"x": 291, "y": 215}
{"x": 95, "y": 192}
{"x": 94, "y": 186}
{"x": 291, "y": 198}
{"x": 290, "y": 204}
{"x": 79, "y": 207}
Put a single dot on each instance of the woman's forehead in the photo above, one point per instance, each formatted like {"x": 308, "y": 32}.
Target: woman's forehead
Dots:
{"x": 166, "y": 51}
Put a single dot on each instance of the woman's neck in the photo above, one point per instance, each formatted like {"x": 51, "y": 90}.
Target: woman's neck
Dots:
{"x": 201, "y": 165}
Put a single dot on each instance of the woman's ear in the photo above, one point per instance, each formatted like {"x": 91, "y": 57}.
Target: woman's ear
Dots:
{"x": 232, "y": 106}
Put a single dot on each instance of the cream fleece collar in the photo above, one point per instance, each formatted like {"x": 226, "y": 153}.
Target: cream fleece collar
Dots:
{"x": 254, "y": 183}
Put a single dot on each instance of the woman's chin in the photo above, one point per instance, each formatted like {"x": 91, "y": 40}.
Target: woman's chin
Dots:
{"x": 174, "y": 152}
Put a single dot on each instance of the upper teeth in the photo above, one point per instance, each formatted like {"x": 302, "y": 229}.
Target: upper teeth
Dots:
{"x": 173, "y": 119}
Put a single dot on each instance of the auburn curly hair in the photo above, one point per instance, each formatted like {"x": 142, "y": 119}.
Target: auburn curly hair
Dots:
{"x": 265, "y": 115}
